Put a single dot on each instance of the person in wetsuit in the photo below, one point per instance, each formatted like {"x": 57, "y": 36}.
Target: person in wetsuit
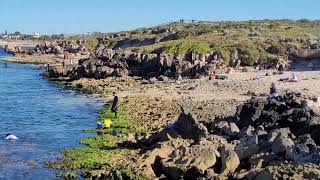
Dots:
{"x": 114, "y": 107}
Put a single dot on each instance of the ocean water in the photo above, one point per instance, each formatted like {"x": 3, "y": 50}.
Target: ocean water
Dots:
{"x": 45, "y": 117}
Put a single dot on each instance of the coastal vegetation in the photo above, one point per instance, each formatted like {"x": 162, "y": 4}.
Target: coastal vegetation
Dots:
{"x": 100, "y": 154}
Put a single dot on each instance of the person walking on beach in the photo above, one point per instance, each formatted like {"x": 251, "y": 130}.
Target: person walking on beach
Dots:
{"x": 114, "y": 107}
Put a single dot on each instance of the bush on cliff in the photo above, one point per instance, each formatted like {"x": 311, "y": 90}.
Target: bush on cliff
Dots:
{"x": 184, "y": 46}
{"x": 91, "y": 44}
{"x": 251, "y": 54}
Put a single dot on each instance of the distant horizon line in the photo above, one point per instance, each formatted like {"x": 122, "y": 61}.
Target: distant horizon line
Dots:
{"x": 187, "y": 21}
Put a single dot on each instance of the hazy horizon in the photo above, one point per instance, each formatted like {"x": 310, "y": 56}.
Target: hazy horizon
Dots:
{"x": 80, "y": 17}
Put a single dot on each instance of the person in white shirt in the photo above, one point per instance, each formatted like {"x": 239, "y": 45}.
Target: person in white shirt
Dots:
{"x": 294, "y": 78}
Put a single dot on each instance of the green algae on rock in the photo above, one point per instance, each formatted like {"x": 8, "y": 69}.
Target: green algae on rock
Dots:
{"x": 99, "y": 157}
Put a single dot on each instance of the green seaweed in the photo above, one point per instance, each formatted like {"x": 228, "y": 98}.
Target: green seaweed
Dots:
{"x": 100, "y": 150}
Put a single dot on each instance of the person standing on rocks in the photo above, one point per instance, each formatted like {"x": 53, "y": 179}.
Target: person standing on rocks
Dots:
{"x": 114, "y": 107}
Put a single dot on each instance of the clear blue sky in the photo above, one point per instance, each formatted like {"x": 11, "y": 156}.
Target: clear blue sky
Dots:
{"x": 81, "y": 16}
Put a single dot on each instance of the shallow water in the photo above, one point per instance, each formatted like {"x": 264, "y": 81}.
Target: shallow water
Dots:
{"x": 45, "y": 117}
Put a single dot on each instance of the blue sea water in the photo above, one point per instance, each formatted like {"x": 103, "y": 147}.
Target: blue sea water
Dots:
{"x": 45, "y": 117}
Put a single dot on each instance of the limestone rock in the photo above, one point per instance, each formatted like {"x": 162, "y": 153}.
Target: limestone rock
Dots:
{"x": 230, "y": 161}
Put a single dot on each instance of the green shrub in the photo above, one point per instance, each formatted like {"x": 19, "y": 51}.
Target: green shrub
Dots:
{"x": 251, "y": 54}
{"x": 204, "y": 29}
{"x": 186, "y": 46}
{"x": 224, "y": 51}
{"x": 91, "y": 44}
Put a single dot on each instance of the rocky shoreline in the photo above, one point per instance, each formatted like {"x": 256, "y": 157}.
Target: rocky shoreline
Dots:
{"x": 214, "y": 122}
{"x": 150, "y": 147}
{"x": 148, "y": 151}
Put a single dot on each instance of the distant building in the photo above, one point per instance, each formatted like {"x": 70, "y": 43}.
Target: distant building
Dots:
{"x": 36, "y": 35}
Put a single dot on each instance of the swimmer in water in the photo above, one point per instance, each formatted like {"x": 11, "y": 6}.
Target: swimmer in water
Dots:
{"x": 11, "y": 137}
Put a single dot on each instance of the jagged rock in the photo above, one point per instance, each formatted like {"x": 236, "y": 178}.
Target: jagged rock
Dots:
{"x": 246, "y": 131}
{"x": 274, "y": 133}
{"x": 313, "y": 158}
{"x": 217, "y": 139}
{"x": 306, "y": 140}
{"x": 281, "y": 143}
{"x": 260, "y": 131}
{"x": 189, "y": 127}
{"x": 230, "y": 129}
{"x": 250, "y": 112}
{"x": 297, "y": 152}
{"x": 230, "y": 161}
{"x": 150, "y": 62}
{"x": 259, "y": 160}
{"x": 103, "y": 72}
{"x": 120, "y": 72}
{"x": 165, "y": 60}
{"x": 58, "y": 71}
{"x": 184, "y": 158}
{"x": 249, "y": 145}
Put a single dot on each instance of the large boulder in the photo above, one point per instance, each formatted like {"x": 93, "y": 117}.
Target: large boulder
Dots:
{"x": 230, "y": 161}
{"x": 250, "y": 112}
{"x": 249, "y": 146}
{"x": 281, "y": 143}
{"x": 189, "y": 127}
{"x": 150, "y": 63}
{"x": 198, "y": 158}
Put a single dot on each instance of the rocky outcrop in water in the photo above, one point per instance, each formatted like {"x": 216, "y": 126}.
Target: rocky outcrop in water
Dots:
{"x": 18, "y": 50}
{"x": 57, "y": 47}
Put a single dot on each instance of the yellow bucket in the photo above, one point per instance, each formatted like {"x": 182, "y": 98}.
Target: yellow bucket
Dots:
{"x": 107, "y": 123}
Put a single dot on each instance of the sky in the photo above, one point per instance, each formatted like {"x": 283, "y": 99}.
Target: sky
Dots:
{"x": 82, "y": 16}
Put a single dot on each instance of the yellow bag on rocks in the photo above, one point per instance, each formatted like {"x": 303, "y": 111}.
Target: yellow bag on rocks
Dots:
{"x": 107, "y": 123}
